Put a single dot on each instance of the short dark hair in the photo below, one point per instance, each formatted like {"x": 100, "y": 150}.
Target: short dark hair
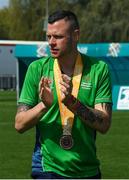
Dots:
{"x": 61, "y": 14}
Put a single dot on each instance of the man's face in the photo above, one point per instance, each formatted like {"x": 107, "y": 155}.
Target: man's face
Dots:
{"x": 60, "y": 38}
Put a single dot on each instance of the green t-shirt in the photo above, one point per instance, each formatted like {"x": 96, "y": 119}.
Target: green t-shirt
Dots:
{"x": 95, "y": 87}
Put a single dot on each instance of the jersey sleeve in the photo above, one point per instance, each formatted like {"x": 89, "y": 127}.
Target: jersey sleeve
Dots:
{"x": 104, "y": 88}
{"x": 29, "y": 93}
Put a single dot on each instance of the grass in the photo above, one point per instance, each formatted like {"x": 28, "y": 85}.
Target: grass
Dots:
{"x": 113, "y": 148}
{"x": 16, "y": 150}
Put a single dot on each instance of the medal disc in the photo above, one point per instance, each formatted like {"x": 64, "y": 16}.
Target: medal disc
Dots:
{"x": 66, "y": 142}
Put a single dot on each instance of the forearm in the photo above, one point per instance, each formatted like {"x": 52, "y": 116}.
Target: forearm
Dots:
{"x": 28, "y": 118}
{"x": 94, "y": 118}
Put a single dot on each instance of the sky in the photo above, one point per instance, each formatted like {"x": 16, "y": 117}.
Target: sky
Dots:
{"x": 3, "y": 3}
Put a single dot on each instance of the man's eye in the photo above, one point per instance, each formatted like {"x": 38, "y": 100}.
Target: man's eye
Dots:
{"x": 48, "y": 37}
{"x": 58, "y": 37}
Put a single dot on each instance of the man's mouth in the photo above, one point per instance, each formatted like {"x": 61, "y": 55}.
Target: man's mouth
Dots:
{"x": 54, "y": 51}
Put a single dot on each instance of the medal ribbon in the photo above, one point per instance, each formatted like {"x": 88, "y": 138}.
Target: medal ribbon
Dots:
{"x": 67, "y": 117}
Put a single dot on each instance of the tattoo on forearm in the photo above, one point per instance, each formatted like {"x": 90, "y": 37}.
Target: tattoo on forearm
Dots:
{"x": 86, "y": 113}
{"x": 93, "y": 115}
{"x": 23, "y": 107}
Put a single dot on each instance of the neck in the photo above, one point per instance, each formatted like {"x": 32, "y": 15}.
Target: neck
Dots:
{"x": 67, "y": 63}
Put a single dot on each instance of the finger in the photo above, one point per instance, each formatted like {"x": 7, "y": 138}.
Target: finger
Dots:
{"x": 62, "y": 96}
{"x": 41, "y": 93}
{"x": 41, "y": 84}
{"x": 47, "y": 82}
{"x": 66, "y": 85}
{"x": 66, "y": 78}
{"x": 63, "y": 89}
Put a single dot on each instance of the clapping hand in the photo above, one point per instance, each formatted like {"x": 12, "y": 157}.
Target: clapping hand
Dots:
{"x": 66, "y": 86}
{"x": 45, "y": 92}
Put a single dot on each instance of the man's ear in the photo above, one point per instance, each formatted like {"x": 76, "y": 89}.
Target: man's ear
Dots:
{"x": 76, "y": 34}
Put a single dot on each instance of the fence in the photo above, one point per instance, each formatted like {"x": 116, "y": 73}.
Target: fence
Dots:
{"x": 7, "y": 82}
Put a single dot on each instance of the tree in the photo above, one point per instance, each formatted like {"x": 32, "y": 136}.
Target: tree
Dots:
{"x": 27, "y": 19}
{"x": 4, "y": 24}
{"x": 100, "y": 20}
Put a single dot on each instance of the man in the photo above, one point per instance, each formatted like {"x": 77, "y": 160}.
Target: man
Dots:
{"x": 67, "y": 96}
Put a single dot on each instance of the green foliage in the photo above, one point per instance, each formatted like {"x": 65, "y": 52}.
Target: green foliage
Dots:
{"x": 106, "y": 21}
{"x": 100, "y": 20}
{"x": 27, "y": 19}
{"x": 4, "y": 26}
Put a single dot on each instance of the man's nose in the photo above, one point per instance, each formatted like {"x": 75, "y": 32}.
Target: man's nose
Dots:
{"x": 52, "y": 40}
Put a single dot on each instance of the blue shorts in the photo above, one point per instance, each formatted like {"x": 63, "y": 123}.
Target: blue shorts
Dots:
{"x": 52, "y": 175}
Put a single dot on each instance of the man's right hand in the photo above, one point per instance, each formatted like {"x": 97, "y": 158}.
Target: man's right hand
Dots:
{"x": 45, "y": 92}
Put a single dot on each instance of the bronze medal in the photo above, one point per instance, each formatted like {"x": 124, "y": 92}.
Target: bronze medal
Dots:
{"x": 66, "y": 142}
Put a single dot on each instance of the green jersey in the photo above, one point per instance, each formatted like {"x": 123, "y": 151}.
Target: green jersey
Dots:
{"x": 95, "y": 87}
